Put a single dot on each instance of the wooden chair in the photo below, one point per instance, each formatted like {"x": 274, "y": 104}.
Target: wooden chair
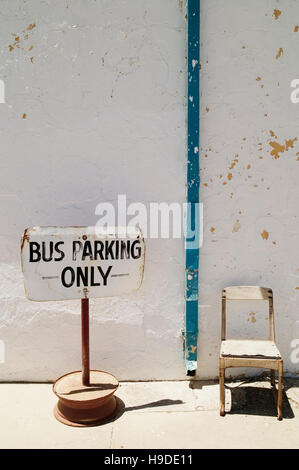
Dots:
{"x": 249, "y": 353}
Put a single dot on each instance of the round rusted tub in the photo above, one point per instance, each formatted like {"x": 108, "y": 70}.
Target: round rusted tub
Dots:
{"x": 81, "y": 405}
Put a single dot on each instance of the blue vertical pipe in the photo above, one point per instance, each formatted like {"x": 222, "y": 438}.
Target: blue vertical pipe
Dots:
{"x": 192, "y": 214}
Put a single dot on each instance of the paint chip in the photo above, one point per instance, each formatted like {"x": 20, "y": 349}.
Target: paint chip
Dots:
{"x": 31, "y": 26}
{"x": 252, "y": 317}
{"x": 279, "y": 53}
{"x": 276, "y": 14}
{"x": 290, "y": 143}
{"x": 278, "y": 148}
{"x": 236, "y": 226}
{"x": 265, "y": 235}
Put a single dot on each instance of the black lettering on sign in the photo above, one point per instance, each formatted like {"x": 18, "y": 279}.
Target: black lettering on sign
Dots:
{"x": 85, "y": 276}
{"x": 136, "y": 250}
{"x": 98, "y": 249}
{"x": 77, "y": 247}
{"x": 108, "y": 249}
{"x": 87, "y": 250}
{"x": 45, "y": 252}
{"x": 82, "y": 276}
{"x": 125, "y": 249}
{"x": 34, "y": 252}
{"x": 57, "y": 249}
{"x": 63, "y": 276}
{"x": 104, "y": 276}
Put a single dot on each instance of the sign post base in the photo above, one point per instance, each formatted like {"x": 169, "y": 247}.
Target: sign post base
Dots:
{"x": 81, "y": 405}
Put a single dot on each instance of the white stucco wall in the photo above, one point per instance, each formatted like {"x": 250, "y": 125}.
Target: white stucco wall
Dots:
{"x": 96, "y": 108}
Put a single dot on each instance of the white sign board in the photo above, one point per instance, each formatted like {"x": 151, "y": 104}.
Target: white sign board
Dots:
{"x": 61, "y": 263}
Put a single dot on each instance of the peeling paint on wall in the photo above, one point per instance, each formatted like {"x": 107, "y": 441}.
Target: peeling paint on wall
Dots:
{"x": 278, "y": 148}
{"x": 276, "y": 14}
{"x": 279, "y": 53}
{"x": 80, "y": 58}
{"x": 265, "y": 235}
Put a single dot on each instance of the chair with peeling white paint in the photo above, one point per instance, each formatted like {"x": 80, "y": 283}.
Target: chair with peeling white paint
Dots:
{"x": 249, "y": 353}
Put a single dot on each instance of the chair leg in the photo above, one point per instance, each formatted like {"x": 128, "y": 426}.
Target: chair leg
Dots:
{"x": 222, "y": 389}
{"x": 279, "y": 395}
{"x": 272, "y": 376}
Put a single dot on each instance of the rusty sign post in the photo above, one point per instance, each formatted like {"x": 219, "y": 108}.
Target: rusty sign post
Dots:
{"x": 61, "y": 263}
{"x": 85, "y": 341}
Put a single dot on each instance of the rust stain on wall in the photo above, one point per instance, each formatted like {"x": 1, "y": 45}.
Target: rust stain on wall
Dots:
{"x": 279, "y": 53}
{"x": 276, "y": 14}
{"x": 290, "y": 143}
{"x": 31, "y": 26}
{"x": 252, "y": 317}
{"x": 273, "y": 135}
{"x": 17, "y": 38}
{"x": 265, "y": 235}
{"x": 278, "y": 148}
{"x": 236, "y": 226}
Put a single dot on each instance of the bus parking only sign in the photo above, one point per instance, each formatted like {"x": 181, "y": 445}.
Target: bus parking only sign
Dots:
{"x": 61, "y": 263}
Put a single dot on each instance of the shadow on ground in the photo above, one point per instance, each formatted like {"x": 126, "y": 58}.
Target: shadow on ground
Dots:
{"x": 251, "y": 400}
{"x": 121, "y": 408}
{"x": 253, "y": 396}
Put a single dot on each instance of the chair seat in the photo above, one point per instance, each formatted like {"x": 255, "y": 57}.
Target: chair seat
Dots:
{"x": 249, "y": 348}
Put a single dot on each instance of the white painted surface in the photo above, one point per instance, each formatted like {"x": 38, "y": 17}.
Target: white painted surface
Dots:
{"x": 98, "y": 111}
{"x": 67, "y": 263}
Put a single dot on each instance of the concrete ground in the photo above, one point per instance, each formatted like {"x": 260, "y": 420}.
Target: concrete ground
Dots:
{"x": 159, "y": 415}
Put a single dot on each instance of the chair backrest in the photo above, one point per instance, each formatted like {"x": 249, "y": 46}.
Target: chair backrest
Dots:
{"x": 248, "y": 293}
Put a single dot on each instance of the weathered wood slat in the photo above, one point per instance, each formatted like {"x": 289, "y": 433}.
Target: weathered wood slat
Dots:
{"x": 247, "y": 293}
{"x": 249, "y": 348}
